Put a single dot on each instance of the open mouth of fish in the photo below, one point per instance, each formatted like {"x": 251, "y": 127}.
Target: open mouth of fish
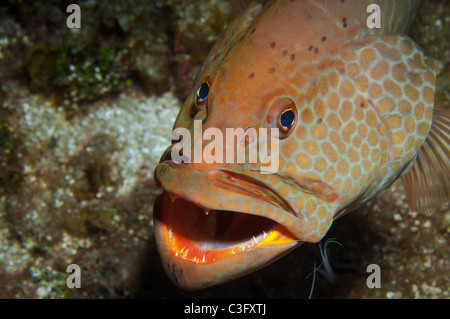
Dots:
{"x": 197, "y": 234}
{"x": 203, "y": 236}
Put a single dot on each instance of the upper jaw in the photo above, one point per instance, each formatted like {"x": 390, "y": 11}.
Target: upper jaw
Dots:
{"x": 252, "y": 187}
{"x": 226, "y": 190}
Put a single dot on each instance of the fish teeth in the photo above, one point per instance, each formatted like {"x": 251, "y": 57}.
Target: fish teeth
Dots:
{"x": 210, "y": 227}
{"x": 172, "y": 197}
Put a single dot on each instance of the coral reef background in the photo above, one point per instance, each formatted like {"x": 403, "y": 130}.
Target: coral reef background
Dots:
{"x": 84, "y": 117}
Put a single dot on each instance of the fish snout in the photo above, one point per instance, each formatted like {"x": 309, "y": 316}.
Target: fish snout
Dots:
{"x": 230, "y": 146}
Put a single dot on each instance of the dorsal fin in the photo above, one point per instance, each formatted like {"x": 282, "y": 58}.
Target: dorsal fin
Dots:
{"x": 427, "y": 184}
{"x": 240, "y": 5}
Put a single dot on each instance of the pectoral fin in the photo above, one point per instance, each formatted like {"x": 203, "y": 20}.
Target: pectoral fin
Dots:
{"x": 427, "y": 184}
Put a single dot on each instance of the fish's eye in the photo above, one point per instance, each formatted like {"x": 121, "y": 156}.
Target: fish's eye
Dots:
{"x": 287, "y": 120}
{"x": 283, "y": 115}
{"x": 201, "y": 95}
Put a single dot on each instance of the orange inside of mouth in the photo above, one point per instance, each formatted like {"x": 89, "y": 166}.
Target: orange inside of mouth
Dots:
{"x": 199, "y": 236}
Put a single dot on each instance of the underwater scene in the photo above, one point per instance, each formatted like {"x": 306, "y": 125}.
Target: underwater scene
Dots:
{"x": 99, "y": 198}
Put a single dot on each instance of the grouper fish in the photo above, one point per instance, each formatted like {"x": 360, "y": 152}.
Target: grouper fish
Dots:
{"x": 354, "y": 107}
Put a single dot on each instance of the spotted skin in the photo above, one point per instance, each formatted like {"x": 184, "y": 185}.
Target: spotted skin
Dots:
{"x": 364, "y": 100}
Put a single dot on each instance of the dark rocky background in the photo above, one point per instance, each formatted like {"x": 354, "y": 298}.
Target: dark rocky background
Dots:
{"x": 84, "y": 117}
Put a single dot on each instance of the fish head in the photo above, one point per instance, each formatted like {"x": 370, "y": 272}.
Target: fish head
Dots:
{"x": 222, "y": 215}
{"x": 220, "y": 218}
{"x": 328, "y": 137}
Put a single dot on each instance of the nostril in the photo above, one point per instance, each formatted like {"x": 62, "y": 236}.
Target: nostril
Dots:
{"x": 248, "y": 137}
{"x": 167, "y": 154}
{"x": 201, "y": 115}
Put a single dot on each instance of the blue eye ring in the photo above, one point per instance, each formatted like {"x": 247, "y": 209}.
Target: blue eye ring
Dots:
{"x": 201, "y": 95}
{"x": 287, "y": 120}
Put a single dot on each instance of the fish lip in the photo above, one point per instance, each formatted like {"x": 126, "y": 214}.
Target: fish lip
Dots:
{"x": 227, "y": 179}
{"x": 260, "y": 189}
{"x": 224, "y": 184}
